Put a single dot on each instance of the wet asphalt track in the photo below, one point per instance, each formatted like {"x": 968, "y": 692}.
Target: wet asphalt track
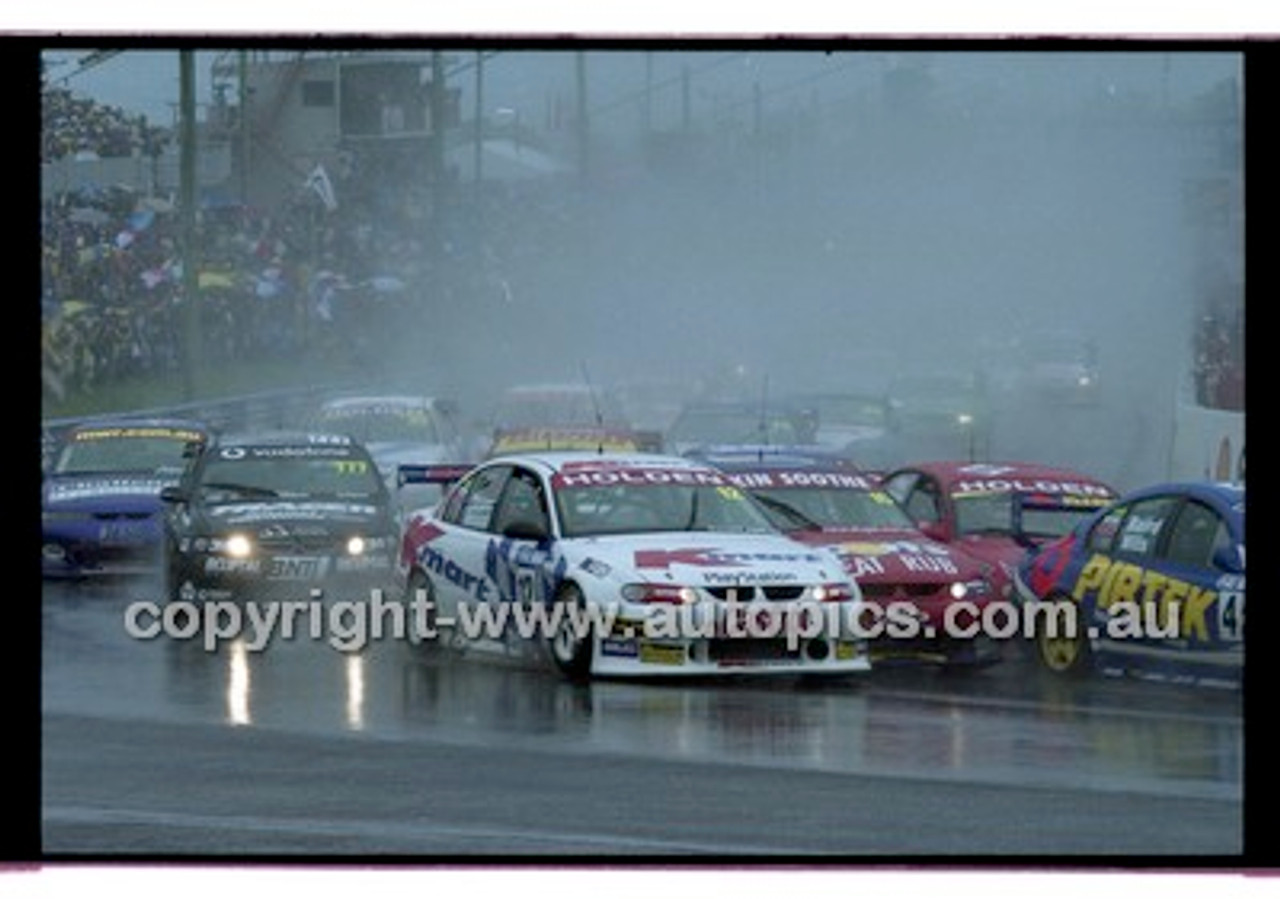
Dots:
{"x": 160, "y": 749}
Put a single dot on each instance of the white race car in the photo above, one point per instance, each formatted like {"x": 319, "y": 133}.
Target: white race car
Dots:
{"x": 623, "y": 564}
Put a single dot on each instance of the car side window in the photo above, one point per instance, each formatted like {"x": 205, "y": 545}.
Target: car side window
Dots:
{"x": 900, "y": 485}
{"x": 473, "y": 504}
{"x": 1196, "y": 533}
{"x": 1139, "y": 535}
{"x": 1103, "y": 536}
{"x": 522, "y": 501}
{"x": 922, "y": 504}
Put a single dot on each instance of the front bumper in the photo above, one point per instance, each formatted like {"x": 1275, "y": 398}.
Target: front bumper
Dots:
{"x": 202, "y": 577}
{"x": 101, "y": 548}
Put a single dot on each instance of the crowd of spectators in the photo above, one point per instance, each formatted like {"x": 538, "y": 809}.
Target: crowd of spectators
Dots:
{"x": 79, "y": 127}
{"x": 1219, "y": 358}
{"x": 302, "y": 280}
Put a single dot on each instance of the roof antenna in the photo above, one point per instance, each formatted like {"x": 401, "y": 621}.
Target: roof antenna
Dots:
{"x": 595, "y": 408}
{"x": 764, "y": 418}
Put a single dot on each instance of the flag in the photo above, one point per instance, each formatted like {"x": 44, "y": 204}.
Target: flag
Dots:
{"x": 318, "y": 181}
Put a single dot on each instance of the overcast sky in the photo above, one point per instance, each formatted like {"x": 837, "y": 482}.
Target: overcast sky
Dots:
{"x": 146, "y": 82}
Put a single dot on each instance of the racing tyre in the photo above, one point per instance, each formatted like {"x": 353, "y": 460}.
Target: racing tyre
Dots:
{"x": 1064, "y": 655}
{"x": 570, "y": 651}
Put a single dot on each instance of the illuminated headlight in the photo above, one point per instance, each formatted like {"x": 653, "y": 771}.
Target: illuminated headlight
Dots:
{"x": 54, "y": 552}
{"x": 659, "y": 593}
{"x": 237, "y": 546}
{"x": 964, "y": 419}
{"x": 832, "y": 593}
{"x": 356, "y": 546}
{"x": 961, "y": 589}
{"x": 1084, "y": 381}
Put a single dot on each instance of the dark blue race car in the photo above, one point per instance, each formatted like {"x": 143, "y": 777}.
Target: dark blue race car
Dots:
{"x": 1155, "y": 582}
{"x": 101, "y": 508}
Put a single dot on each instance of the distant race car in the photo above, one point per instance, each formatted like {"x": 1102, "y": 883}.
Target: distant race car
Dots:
{"x": 855, "y": 425}
{"x": 633, "y": 541}
{"x": 1059, "y": 367}
{"x": 824, "y": 504}
{"x": 276, "y": 514}
{"x": 995, "y": 512}
{"x": 616, "y": 439}
{"x": 1157, "y": 583}
{"x": 101, "y": 511}
{"x": 730, "y": 423}
{"x": 940, "y": 413}
{"x": 395, "y": 428}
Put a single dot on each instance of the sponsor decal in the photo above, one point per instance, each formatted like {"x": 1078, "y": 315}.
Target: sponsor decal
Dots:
{"x": 181, "y": 434}
{"x": 760, "y": 479}
{"x": 418, "y": 533}
{"x": 525, "y": 439}
{"x": 971, "y": 486}
{"x": 435, "y": 562}
{"x": 1179, "y": 604}
{"x": 714, "y": 558}
{"x": 523, "y": 572}
{"x": 661, "y": 654}
{"x": 297, "y": 568}
{"x": 241, "y": 513}
{"x": 88, "y": 488}
{"x": 218, "y": 565}
{"x": 610, "y": 477}
{"x": 627, "y": 649}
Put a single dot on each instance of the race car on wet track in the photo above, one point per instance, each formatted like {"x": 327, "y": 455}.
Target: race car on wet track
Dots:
{"x": 995, "y": 512}
{"x": 1157, "y": 585}
{"x": 676, "y": 570}
{"x": 821, "y": 503}
{"x": 102, "y": 512}
{"x": 276, "y": 515}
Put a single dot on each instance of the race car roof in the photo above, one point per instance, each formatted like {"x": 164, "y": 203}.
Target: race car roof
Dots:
{"x": 954, "y": 474}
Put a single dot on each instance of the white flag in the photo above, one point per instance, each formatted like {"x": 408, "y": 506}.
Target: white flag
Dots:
{"x": 318, "y": 181}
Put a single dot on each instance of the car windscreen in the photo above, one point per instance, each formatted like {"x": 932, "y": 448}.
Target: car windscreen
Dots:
{"x": 123, "y": 449}
{"x": 383, "y": 424}
{"x": 800, "y": 507}
{"x": 253, "y": 477}
{"x": 635, "y": 504}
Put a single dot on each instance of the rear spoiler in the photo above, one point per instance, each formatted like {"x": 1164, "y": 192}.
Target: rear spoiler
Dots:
{"x": 430, "y": 474}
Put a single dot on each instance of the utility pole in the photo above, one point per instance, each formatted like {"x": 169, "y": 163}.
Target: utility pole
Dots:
{"x": 243, "y": 78}
{"x": 479, "y": 114}
{"x": 583, "y": 162}
{"x": 686, "y": 114}
{"x": 190, "y": 198}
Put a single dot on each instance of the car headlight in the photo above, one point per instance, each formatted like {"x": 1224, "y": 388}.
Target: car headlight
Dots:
{"x": 961, "y": 589}
{"x": 237, "y": 546}
{"x": 356, "y": 546}
{"x": 659, "y": 593}
{"x": 964, "y": 419}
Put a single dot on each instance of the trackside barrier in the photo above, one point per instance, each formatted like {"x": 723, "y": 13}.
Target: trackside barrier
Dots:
{"x": 284, "y": 408}
{"x": 1207, "y": 444}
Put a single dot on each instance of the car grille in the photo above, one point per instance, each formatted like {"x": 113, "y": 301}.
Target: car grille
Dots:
{"x": 902, "y": 591}
{"x": 747, "y": 650}
{"x": 774, "y": 593}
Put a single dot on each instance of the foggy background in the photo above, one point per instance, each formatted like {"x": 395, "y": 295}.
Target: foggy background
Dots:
{"x": 782, "y": 221}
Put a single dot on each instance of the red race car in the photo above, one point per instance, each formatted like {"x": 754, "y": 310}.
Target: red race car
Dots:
{"x": 995, "y": 512}
{"x": 899, "y": 570}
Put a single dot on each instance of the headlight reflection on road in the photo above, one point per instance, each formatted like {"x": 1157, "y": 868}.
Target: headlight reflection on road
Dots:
{"x": 238, "y": 683}
{"x": 355, "y": 691}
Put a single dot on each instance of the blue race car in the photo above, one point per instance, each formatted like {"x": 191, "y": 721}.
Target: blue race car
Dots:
{"x": 101, "y": 509}
{"x": 1155, "y": 582}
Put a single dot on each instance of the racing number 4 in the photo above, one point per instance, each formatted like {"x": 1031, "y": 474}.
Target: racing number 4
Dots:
{"x": 1230, "y": 615}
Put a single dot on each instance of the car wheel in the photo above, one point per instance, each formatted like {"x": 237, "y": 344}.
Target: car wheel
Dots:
{"x": 570, "y": 650}
{"x": 1065, "y": 654}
